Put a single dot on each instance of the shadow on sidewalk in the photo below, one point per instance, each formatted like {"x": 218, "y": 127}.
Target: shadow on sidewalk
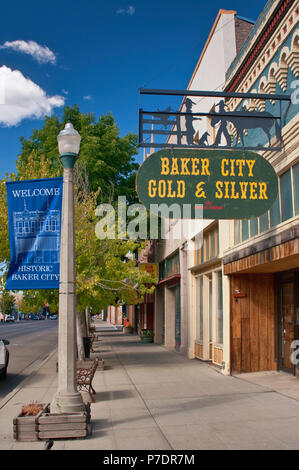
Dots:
{"x": 114, "y": 395}
{"x": 10, "y": 383}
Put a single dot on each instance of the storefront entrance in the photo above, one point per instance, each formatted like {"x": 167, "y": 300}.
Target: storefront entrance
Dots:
{"x": 288, "y": 318}
{"x": 177, "y": 294}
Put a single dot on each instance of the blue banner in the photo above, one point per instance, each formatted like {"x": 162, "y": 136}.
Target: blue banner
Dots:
{"x": 34, "y": 221}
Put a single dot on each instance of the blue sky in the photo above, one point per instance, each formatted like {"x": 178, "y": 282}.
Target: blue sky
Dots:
{"x": 97, "y": 54}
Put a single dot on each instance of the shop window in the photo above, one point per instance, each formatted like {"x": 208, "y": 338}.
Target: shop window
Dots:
{"x": 296, "y": 187}
{"x": 237, "y": 234}
{"x": 220, "y": 309}
{"x": 245, "y": 230}
{"x": 264, "y": 222}
{"x": 275, "y": 213}
{"x": 286, "y": 196}
{"x": 254, "y": 227}
{"x": 201, "y": 309}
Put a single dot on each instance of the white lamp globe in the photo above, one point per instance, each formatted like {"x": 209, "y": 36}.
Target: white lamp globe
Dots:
{"x": 69, "y": 140}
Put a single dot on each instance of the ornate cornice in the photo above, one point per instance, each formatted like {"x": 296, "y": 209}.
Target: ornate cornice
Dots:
{"x": 259, "y": 44}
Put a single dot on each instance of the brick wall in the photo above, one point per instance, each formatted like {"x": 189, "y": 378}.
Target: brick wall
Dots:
{"x": 243, "y": 29}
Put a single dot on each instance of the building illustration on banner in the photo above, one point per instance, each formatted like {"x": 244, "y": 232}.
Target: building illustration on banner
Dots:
{"x": 37, "y": 235}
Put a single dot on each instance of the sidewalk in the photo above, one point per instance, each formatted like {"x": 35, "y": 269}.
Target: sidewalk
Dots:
{"x": 150, "y": 398}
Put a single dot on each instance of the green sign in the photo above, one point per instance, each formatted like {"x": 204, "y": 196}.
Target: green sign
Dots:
{"x": 226, "y": 184}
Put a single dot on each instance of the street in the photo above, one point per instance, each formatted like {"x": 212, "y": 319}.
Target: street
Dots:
{"x": 30, "y": 341}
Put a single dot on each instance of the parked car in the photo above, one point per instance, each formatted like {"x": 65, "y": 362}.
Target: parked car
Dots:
{"x": 53, "y": 317}
{"x": 35, "y": 317}
{"x": 4, "y": 357}
{"x": 10, "y": 318}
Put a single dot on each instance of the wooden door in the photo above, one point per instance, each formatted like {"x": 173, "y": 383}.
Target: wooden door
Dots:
{"x": 252, "y": 323}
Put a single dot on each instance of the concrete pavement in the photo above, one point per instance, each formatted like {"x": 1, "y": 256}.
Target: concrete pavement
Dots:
{"x": 150, "y": 398}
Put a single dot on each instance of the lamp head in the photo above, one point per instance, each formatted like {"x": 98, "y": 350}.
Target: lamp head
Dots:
{"x": 69, "y": 140}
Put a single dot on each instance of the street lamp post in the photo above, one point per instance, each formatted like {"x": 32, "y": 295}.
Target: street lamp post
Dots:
{"x": 67, "y": 398}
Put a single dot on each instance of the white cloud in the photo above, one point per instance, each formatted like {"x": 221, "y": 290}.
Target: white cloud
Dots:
{"x": 87, "y": 97}
{"x": 22, "y": 98}
{"x": 41, "y": 53}
{"x": 130, "y": 10}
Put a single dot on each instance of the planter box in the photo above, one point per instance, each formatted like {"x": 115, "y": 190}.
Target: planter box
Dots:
{"x": 128, "y": 330}
{"x": 64, "y": 425}
{"x": 25, "y": 428}
{"x": 147, "y": 339}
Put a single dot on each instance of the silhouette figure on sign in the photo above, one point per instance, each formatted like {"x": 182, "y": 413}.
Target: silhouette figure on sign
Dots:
{"x": 189, "y": 121}
{"x": 203, "y": 141}
{"x": 246, "y": 120}
{"x": 163, "y": 118}
{"x": 223, "y": 125}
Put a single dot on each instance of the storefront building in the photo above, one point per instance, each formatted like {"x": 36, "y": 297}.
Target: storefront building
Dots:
{"x": 262, "y": 260}
{"x": 192, "y": 303}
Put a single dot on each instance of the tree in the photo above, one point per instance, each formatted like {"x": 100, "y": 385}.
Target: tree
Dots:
{"x": 105, "y": 169}
{"x": 107, "y": 158}
{"x": 7, "y": 300}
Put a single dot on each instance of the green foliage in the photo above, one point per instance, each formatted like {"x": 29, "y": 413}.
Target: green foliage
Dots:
{"x": 104, "y": 170}
{"x": 7, "y": 300}
{"x": 33, "y": 300}
{"x": 106, "y": 157}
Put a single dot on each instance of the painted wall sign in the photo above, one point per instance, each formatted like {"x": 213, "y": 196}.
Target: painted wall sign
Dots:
{"x": 226, "y": 184}
{"x": 34, "y": 218}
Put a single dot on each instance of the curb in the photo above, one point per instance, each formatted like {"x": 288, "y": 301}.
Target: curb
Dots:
{"x": 36, "y": 366}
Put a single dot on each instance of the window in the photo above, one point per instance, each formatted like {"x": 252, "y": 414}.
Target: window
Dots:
{"x": 170, "y": 266}
{"x": 213, "y": 244}
{"x": 210, "y": 308}
{"x": 20, "y": 227}
{"x": 245, "y": 230}
{"x": 275, "y": 213}
{"x": 286, "y": 196}
{"x": 33, "y": 226}
{"x": 254, "y": 227}
{"x": 53, "y": 225}
{"x": 201, "y": 309}
{"x": 220, "y": 309}
{"x": 296, "y": 187}
{"x": 285, "y": 207}
{"x": 264, "y": 222}
{"x": 237, "y": 235}
{"x": 209, "y": 249}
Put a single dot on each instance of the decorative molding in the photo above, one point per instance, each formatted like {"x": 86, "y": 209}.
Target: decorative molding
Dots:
{"x": 293, "y": 58}
{"x": 266, "y": 55}
{"x": 268, "y": 42}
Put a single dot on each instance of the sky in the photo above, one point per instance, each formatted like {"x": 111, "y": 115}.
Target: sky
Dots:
{"x": 96, "y": 54}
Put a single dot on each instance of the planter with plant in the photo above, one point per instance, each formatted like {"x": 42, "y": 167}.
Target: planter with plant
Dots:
{"x": 147, "y": 336}
{"x": 127, "y": 328}
{"x": 25, "y": 425}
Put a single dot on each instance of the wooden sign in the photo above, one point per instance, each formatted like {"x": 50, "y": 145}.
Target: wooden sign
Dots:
{"x": 150, "y": 268}
{"x": 227, "y": 184}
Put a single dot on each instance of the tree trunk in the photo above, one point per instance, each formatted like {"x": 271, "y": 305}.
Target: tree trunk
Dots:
{"x": 80, "y": 335}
